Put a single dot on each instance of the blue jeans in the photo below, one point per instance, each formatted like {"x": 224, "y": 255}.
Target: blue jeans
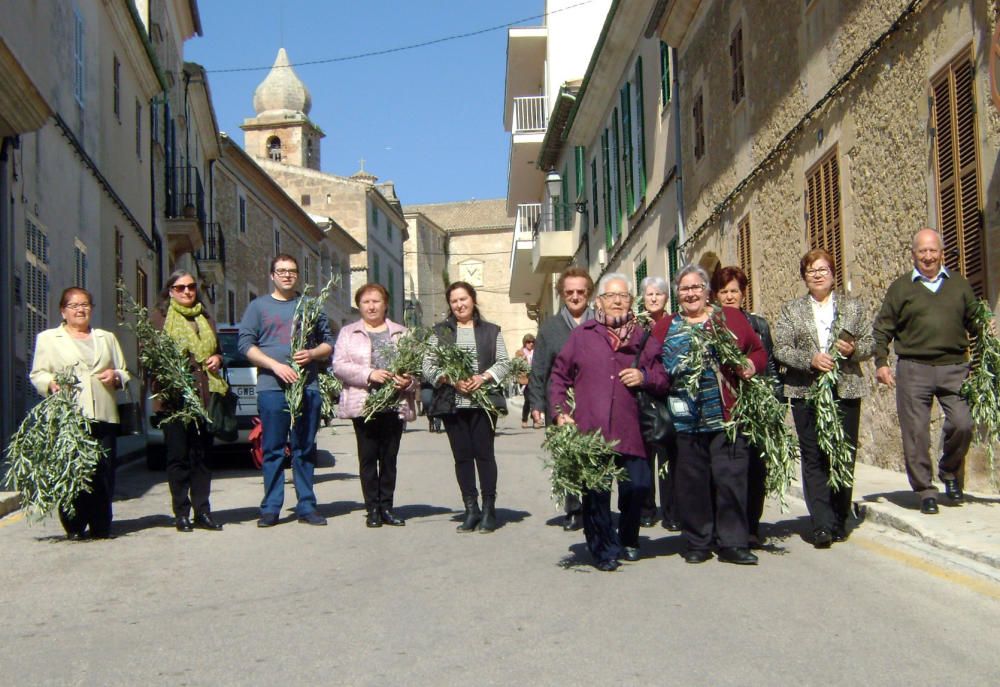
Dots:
{"x": 278, "y": 431}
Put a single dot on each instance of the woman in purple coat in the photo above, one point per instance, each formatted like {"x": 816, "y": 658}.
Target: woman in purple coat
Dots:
{"x": 598, "y": 362}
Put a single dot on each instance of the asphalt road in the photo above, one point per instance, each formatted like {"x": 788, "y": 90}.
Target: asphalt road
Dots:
{"x": 423, "y": 605}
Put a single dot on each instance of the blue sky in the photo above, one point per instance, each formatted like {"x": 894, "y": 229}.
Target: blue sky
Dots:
{"x": 429, "y": 119}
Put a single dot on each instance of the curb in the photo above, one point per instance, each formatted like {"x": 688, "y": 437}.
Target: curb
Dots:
{"x": 9, "y": 502}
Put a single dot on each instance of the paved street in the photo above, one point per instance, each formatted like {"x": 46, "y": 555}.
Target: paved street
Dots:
{"x": 424, "y": 605}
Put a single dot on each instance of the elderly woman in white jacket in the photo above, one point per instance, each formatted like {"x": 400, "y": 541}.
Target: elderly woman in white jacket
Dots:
{"x": 95, "y": 357}
{"x": 360, "y": 359}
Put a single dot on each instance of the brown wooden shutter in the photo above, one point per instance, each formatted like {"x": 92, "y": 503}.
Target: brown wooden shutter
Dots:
{"x": 743, "y": 256}
{"x": 823, "y": 220}
{"x": 956, "y": 162}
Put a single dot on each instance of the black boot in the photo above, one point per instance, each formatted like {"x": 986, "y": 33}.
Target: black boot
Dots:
{"x": 472, "y": 515}
{"x": 489, "y": 521}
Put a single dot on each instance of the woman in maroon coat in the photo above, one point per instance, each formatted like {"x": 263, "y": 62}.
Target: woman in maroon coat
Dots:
{"x": 598, "y": 362}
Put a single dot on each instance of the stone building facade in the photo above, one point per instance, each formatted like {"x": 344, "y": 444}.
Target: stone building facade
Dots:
{"x": 425, "y": 270}
{"x": 478, "y": 252}
{"x": 866, "y": 121}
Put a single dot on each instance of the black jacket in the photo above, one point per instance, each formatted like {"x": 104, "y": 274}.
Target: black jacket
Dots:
{"x": 552, "y": 335}
{"x": 486, "y": 333}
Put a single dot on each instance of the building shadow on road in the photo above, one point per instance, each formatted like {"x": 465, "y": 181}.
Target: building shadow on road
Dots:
{"x": 122, "y": 528}
{"x": 414, "y": 511}
{"x": 338, "y": 508}
{"x": 334, "y": 477}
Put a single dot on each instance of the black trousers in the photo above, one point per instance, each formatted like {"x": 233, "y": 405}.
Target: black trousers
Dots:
{"x": 471, "y": 437}
{"x": 93, "y": 509}
{"x": 378, "y": 449}
{"x": 828, "y": 508}
{"x": 756, "y": 492}
{"x": 603, "y": 542}
{"x": 188, "y": 473}
{"x": 710, "y": 467}
{"x": 660, "y": 455}
{"x": 526, "y": 408}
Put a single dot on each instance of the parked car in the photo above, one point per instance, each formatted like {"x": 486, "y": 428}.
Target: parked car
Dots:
{"x": 242, "y": 377}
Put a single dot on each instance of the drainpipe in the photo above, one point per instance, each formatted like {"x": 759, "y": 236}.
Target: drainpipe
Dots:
{"x": 7, "y": 304}
{"x": 679, "y": 180}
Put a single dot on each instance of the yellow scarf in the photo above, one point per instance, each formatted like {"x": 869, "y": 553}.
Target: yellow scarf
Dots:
{"x": 201, "y": 343}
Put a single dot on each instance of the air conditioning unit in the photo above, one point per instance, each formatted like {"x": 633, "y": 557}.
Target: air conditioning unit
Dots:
{"x": 602, "y": 257}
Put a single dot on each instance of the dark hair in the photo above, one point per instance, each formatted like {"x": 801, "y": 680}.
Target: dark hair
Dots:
{"x": 724, "y": 275}
{"x": 814, "y": 255}
{"x": 64, "y": 298}
{"x": 575, "y": 271}
{"x": 527, "y": 338}
{"x": 468, "y": 289}
{"x": 171, "y": 280}
{"x": 283, "y": 257}
{"x": 371, "y": 286}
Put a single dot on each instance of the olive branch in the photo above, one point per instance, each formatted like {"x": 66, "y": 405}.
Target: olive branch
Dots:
{"x": 981, "y": 389}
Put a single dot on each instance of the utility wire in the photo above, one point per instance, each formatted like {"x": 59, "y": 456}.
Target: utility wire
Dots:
{"x": 413, "y": 46}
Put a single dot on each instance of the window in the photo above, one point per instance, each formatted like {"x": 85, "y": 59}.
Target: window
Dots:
{"x": 306, "y": 270}
{"x": 119, "y": 271}
{"x": 391, "y": 288}
{"x": 154, "y": 120}
{"x": 641, "y": 272}
{"x": 578, "y": 168}
{"x": 277, "y": 241}
{"x": 242, "y": 201}
{"x": 698, "y": 114}
{"x": 36, "y": 271}
{"x": 606, "y": 168}
{"x": 116, "y": 81}
{"x": 639, "y": 156}
{"x": 375, "y": 269}
{"x": 78, "y": 63}
{"x": 616, "y": 186}
{"x": 738, "y": 89}
{"x": 672, "y": 267}
{"x": 625, "y": 96}
{"x": 664, "y": 74}
{"x": 563, "y": 209}
{"x": 594, "y": 207}
{"x": 823, "y": 223}
{"x": 956, "y": 170}
{"x": 138, "y": 129}
{"x": 306, "y": 199}
{"x": 374, "y": 216}
{"x": 80, "y": 265}
{"x": 388, "y": 230}
{"x": 230, "y": 306}
{"x": 743, "y": 257}
{"x": 251, "y": 295}
{"x": 141, "y": 286}
{"x": 274, "y": 148}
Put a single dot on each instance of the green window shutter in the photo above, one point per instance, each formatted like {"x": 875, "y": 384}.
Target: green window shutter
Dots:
{"x": 565, "y": 206}
{"x": 595, "y": 219}
{"x": 672, "y": 250}
{"x": 616, "y": 176}
{"x": 605, "y": 155}
{"x": 578, "y": 155}
{"x": 664, "y": 73}
{"x": 640, "y": 274}
{"x": 626, "y": 149}
{"x": 640, "y": 147}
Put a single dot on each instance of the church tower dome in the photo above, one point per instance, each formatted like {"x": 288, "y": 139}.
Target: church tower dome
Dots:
{"x": 281, "y": 90}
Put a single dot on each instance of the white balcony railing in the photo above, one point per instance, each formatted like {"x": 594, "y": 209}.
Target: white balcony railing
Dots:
{"x": 530, "y": 114}
{"x": 528, "y": 221}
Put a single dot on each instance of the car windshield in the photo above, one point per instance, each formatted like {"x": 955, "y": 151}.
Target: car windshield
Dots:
{"x": 230, "y": 352}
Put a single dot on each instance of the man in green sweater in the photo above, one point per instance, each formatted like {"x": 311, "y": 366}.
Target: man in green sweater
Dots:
{"x": 927, "y": 316}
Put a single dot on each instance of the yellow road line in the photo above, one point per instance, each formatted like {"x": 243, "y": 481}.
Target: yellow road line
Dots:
{"x": 976, "y": 584}
{"x": 11, "y": 519}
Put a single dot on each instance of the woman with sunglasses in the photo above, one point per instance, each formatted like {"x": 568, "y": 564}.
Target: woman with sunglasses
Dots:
{"x": 95, "y": 357}
{"x": 183, "y": 317}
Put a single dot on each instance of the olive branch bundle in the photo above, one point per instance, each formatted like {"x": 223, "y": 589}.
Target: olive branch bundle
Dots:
{"x": 406, "y": 357}
{"x": 830, "y": 424}
{"x": 169, "y": 366}
{"x": 458, "y": 363}
{"x": 580, "y": 461}
{"x": 981, "y": 389}
{"x": 518, "y": 366}
{"x": 757, "y": 414}
{"x": 52, "y": 455}
{"x": 304, "y": 320}
{"x": 329, "y": 389}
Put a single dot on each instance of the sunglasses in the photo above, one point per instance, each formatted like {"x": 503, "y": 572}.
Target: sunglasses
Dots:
{"x": 179, "y": 288}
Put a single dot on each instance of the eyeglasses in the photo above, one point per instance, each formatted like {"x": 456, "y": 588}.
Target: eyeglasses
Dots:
{"x": 574, "y": 292}
{"x": 818, "y": 272}
{"x": 616, "y": 296}
{"x": 78, "y": 306}
{"x": 178, "y": 288}
{"x": 286, "y": 273}
{"x": 693, "y": 288}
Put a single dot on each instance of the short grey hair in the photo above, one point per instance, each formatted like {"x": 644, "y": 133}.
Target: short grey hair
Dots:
{"x": 658, "y": 283}
{"x": 693, "y": 269}
{"x": 614, "y": 276}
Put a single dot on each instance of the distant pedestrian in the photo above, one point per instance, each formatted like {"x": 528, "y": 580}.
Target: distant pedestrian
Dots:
{"x": 527, "y": 352}
{"x": 575, "y": 287}
{"x": 808, "y": 333}
{"x": 470, "y": 428}
{"x": 927, "y": 317}
{"x": 361, "y": 361}
{"x": 265, "y": 339}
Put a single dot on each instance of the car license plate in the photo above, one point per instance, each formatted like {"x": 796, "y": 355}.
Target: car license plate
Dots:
{"x": 248, "y": 397}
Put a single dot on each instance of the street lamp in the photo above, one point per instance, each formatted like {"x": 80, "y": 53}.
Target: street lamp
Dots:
{"x": 553, "y": 183}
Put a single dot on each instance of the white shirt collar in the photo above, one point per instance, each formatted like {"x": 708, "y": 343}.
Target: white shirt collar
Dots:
{"x": 917, "y": 275}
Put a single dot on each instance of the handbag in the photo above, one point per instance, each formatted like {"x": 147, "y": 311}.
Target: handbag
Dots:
{"x": 222, "y": 415}
{"x": 655, "y": 421}
{"x": 129, "y": 414}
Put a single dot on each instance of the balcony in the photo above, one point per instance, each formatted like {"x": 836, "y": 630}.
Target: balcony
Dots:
{"x": 530, "y": 115}
{"x": 185, "y": 210}
{"x": 525, "y": 284}
{"x": 211, "y": 257}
